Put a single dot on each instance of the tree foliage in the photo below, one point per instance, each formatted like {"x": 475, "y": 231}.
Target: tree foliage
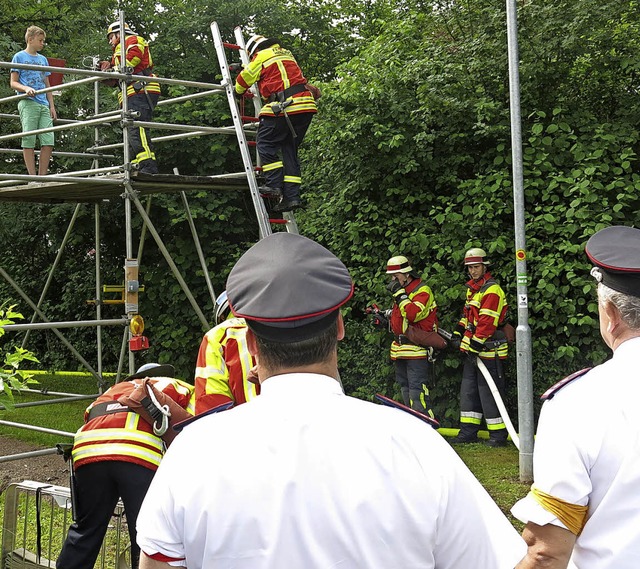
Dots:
{"x": 11, "y": 376}
{"x": 412, "y": 155}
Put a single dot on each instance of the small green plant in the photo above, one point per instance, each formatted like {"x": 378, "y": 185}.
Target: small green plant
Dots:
{"x": 10, "y": 376}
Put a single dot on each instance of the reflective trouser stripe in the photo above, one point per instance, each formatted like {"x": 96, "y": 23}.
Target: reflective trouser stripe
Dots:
{"x": 146, "y": 151}
{"x": 272, "y": 166}
{"x": 495, "y": 424}
{"x": 470, "y": 417}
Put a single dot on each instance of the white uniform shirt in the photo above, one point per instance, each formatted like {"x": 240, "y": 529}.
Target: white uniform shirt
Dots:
{"x": 587, "y": 451}
{"x": 304, "y": 477}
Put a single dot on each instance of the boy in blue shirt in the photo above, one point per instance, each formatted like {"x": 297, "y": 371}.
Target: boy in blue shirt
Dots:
{"x": 37, "y": 111}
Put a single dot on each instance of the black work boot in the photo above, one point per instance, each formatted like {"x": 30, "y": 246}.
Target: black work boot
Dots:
{"x": 148, "y": 166}
{"x": 497, "y": 438}
{"x": 270, "y": 192}
{"x": 288, "y": 204}
{"x": 468, "y": 434}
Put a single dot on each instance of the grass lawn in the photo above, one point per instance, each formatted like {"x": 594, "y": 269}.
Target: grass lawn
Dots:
{"x": 495, "y": 468}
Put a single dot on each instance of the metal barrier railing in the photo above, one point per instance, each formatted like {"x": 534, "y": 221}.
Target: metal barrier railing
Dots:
{"x": 29, "y": 505}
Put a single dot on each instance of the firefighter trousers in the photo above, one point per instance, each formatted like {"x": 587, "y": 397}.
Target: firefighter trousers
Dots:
{"x": 476, "y": 401}
{"x": 414, "y": 376}
{"x": 140, "y": 144}
{"x": 98, "y": 487}
{"x": 275, "y": 139}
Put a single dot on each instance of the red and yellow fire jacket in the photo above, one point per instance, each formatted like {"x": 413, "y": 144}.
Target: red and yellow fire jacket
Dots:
{"x": 485, "y": 309}
{"x": 114, "y": 432}
{"x": 275, "y": 69}
{"x": 418, "y": 309}
{"x": 223, "y": 366}
{"x": 138, "y": 57}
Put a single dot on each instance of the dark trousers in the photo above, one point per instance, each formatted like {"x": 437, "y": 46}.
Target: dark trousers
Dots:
{"x": 275, "y": 138}
{"x": 140, "y": 143}
{"x": 477, "y": 401}
{"x": 98, "y": 487}
{"x": 414, "y": 376}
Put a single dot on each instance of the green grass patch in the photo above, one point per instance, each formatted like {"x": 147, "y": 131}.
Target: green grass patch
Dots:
{"x": 497, "y": 469}
{"x": 67, "y": 416}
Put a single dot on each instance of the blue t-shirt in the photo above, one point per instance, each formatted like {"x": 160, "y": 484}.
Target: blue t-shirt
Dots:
{"x": 31, "y": 77}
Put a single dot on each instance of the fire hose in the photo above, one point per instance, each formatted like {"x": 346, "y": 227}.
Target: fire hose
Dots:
{"x": 492, "y": 387}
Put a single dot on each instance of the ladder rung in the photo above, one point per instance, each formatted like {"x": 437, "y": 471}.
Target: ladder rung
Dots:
{"x": 231, "y": 45}
{"x": 279, "y": 221}
{"x": 252, "y": 143}
{"x": 249, "y": 118}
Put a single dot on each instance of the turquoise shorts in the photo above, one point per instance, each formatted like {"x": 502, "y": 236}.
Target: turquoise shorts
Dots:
{"x": 35, "y": 116}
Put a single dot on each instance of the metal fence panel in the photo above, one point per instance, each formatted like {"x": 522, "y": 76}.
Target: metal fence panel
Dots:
{"x": 35, "y": 523}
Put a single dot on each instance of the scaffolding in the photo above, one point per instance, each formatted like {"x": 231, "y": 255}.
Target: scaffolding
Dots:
{"x": 98, "y": 183}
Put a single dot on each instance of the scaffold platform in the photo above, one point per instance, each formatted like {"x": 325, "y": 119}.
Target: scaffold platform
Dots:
{"x": 111, "y": 186}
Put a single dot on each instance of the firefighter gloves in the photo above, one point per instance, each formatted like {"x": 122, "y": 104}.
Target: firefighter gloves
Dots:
{"x": 400, "y": 296}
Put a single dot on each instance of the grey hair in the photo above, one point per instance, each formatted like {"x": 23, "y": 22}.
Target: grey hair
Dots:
{"x": 627, "y": 305}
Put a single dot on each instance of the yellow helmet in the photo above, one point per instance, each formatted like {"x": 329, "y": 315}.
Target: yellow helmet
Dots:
{"x": 475, "y": 256}
{"x": 398, "y": 264}
{"x": 115, "y": 29}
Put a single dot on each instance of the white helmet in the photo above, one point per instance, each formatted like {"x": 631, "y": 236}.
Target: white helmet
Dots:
{"x": 115, "y": 28}
{"x": 222, "y": 307}
{"x": 398, "y": 264}
{"x": 254, "y": 42}
{"x": 475, "y": 256}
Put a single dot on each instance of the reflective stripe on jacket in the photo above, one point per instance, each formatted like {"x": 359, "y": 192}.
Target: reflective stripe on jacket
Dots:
{"x": 275, "y": 69}
{"x": 223, "y": 366}
{"x": 125, "y": 436}
{"x": 420, "y": 309}
{"x": 138, "y": 57}
{"x": 484, "y": 310}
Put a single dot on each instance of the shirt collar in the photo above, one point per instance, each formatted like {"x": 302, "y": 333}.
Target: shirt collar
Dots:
{"x": 300, "y": 385}
{"x": 628, "y": 345}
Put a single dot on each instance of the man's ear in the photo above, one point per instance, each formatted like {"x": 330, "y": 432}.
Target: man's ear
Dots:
{"x": 613, "y": 315}
{"x": 340, "y": 327}
{"x": 252, "y": 342}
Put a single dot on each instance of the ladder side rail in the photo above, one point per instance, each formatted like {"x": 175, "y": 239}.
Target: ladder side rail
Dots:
{"x": 258, "y": 204}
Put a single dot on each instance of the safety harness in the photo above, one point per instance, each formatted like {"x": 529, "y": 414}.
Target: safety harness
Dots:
{"x": 159, "y": 413}
{"x": 288, "y": 92}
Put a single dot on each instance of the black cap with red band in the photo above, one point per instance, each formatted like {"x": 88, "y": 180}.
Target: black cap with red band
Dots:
{"x": 615, "y": 251}
{"x": 288, "y": 288}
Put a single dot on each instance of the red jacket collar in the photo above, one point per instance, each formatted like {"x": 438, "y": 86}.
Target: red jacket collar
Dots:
{"x": 414, "y": 284}
{"x": 475, "y": 286}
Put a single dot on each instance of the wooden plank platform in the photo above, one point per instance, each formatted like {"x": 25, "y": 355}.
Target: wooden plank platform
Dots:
{"x": 89, "y": 190}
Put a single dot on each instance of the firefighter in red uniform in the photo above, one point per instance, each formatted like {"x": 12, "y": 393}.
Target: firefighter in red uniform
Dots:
{"x": 116, "y": 454}
{"x": 414, "y": 305}
{"x": 484, "y": 312}
{"x": 225, "y": 369}
{"x": 284, "y": 118}
{"x": 142, "y": 96}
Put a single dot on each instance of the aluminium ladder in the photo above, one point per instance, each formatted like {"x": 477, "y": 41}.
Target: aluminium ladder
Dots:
{"x": 288, "y": 219}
